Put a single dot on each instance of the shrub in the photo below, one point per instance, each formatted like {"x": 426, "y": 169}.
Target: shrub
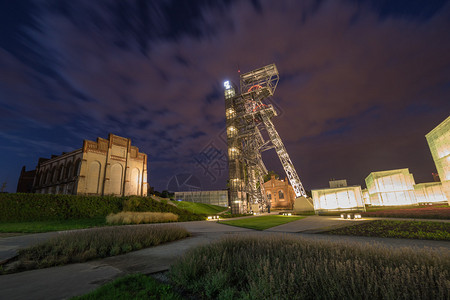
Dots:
{"x": 83, "y": 245}
{"x": 286, "y": 267}
{"x": 140, "y": 217}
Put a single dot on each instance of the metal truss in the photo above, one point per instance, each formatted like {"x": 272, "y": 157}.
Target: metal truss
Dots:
{"x": 247, "y": 117}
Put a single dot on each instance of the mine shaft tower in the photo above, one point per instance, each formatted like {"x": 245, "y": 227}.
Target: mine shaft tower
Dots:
{"x": 248, "y": 115}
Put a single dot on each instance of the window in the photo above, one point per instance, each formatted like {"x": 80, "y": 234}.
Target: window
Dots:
{"x": 68, "y": 170}
{"x": 280, "y": 194}
{"x": 230, "y": 113}
{"x": 269, "y": 196}
{"x": 76, "y": 170}
{"x": 229, "y": 93}
{"x": 233, "y": 153}
{"x": 231, "y": 131}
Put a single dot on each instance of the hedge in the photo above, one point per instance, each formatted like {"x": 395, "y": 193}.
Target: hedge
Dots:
{"x": 38, "y": 207}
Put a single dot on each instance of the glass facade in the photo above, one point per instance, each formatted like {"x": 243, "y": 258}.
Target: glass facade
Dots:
{"x": 429, "y": 192}
{"x": 439, "y": 141}
{"x": 343, "y": 198}
{"x": 219, "y": 198}
{"x": 393, "y": 187}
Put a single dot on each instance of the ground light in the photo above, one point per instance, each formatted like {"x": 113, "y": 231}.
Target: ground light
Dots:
{"x": 351, "y": 216}
{"x": 213, "y": 218}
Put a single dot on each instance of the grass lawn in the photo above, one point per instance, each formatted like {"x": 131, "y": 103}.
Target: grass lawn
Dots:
{"x": 199, "y": 208}
{"x": 136, "y": 286}
{"x": 45, "y": 226}
{"x": 263, "y": 222}
{"x": 398, "y": 229}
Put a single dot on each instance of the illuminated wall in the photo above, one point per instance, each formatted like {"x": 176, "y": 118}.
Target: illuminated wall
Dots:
{"x": 366, "y": 197}
{"x": 393, "y": 187}
{"x": 343, "y": 198}
{"x": 104, "y": 167}
{"x": 429, "y": 192}
{"x": 280, "y": 193}
{"x": 439, "y": 141}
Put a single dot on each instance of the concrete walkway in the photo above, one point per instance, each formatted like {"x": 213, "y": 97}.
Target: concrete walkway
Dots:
{"x": 77, "y": 279}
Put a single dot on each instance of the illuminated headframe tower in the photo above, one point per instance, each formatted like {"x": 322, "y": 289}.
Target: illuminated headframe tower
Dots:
{"x": 247, "y": 115}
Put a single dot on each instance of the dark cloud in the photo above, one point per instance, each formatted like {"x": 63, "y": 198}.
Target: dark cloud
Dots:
{"x": 361, "y": 83}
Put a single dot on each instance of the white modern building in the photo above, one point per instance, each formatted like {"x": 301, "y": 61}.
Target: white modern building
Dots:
{"x": 338, "y": 199}
{"x": 430, "y": 192}
{"x": 439, "y": 141}
{"x": 366, "y": 197}
{"x": 393, "y": 187}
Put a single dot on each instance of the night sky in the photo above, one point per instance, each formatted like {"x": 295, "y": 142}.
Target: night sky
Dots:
{"x": 361, "y": 82}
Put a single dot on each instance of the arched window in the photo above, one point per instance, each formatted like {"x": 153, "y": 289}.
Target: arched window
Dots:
{"x": 48, "y": 176}
{"x": 61, "y": 172}
{"x": 116, "y": 179}
{"x": 68, "y": 170}
{"x": 38, "y": 178}
{"x": 135, "y": 181}
{"x": 55, "y": 173}
{"x": 269, "y": 196}
{"x": 44, "y": 177}
{"x": 280, "y": 194}
{"x": 93, "y": 177}
{"x": 76, "y": 170}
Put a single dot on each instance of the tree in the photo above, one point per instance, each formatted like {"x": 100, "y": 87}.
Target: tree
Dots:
{"x": 269, "y": 175}
{"x": 3, "y": 187}
{"x": 165, "y": 194}
{"x": 150, "y": 190}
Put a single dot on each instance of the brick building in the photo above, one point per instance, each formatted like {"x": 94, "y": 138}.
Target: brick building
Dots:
{"x": 104, "y": 167}
{"x": 280, "y": 193}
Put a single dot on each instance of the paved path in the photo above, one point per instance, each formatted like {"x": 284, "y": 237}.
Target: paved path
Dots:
{"x": 77, "y": 279}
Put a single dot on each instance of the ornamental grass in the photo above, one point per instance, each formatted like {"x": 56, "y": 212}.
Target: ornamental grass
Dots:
{"x": 82, "y": 245}
{"x": 128, "y": 217}
{"x": 287, "y": 267}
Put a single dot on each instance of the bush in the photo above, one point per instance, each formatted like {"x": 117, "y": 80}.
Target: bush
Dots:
{"x": 286, "y": 267}
{"x": 127, "y": 217}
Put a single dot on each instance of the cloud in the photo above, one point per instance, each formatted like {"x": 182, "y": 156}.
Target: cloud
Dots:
{"x": 345, "y": 76}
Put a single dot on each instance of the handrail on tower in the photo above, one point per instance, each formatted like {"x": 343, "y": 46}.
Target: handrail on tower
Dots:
{"x": 265, "y": 77}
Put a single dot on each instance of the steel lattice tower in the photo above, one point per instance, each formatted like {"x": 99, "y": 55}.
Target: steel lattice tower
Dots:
{"x": 248, "y": 114}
